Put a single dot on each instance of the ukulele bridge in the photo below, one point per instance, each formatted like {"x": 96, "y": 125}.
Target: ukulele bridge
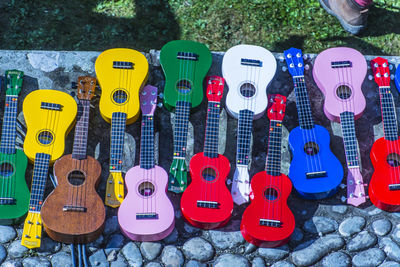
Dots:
{"x": 50, "y": 106}
{"x": 187, "y": 56}
{"x": 147, "y": 216}
{"x": 341, "y": 64}
{"x": 7, "y": 201}
{"x": 122, "y": 65}
{"x": 251, "y": 62}
{"x": 75, "y": 208}
{"x": 207, "y": 204}
{"x": 312, "y": 175}
{"x": 271, "y": 223}
{"x": 394, "y": 187}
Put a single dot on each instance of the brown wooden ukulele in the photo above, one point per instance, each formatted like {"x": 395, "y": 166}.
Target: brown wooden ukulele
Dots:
{"x": 74, "y": 212}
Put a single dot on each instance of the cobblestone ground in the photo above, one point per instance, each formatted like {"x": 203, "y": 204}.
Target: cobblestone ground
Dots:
{"x": 327, "y": 233}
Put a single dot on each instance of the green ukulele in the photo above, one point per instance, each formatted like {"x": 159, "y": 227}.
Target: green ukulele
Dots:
{"x": 14, "y": 192}
{"x": 185, "y": 64}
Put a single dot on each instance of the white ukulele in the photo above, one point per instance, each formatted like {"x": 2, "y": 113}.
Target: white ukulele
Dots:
{"x": 247, "y": 70}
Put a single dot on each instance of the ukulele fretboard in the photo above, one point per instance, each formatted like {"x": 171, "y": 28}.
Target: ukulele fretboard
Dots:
{"x": 40, "y": 170}
{"x": 182, "y": 112}
{"x": 389, "y": 117}
{"x": 273, "y": 166}
{"x": 118, "y": 122}
{"x": 349, "y": 139}
{"x": 147, "y": 142}
{"x": 212, "y": 130}
{"x": 8, "y": 133}
{"x": 303, "y": 103}
{"x": 81, "y": 130}
{"x": 245, "y": 128}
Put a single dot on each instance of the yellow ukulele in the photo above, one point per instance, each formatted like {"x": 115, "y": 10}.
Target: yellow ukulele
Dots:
{"x": 121, "y": 73}
{"x": 49, "y": 116}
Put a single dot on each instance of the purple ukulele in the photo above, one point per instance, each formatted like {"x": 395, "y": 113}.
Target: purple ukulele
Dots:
{"x": 146, "y": 214}
{"x": 339, "y": 73}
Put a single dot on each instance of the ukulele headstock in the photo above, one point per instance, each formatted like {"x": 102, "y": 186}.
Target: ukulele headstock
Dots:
{"x": 148, "y": 100}
{"x": 13, "y": 81}
{"x": 277, "y": 107}
{"x": 294, "y": 61}
{"x": 32, "y": 233}
{"x": 215, "y": 88}
{"x": 380, "y": 69}
{"x": 86, "y": 88}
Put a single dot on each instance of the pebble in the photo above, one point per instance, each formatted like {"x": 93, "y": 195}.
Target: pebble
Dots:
{"x": 132, "y": 255}
{"x": 390, "y": 264}
{"x": 391, "y": 249}
{"x": 317, "y": 250}
{"x": 297, "y": 235}
{"x": 171, "y": 256}
{"x": 16, "y": 250}
{"x": 258, "y": 262}
{"x": 337, "y": 259}
{"x": 12, "y": 263}
{"x": 193, "y": 263}
{"x": 7, "y": 233}
{"x": 36, "y": 261}
{"x": 153, "y": 264}
{"x": 116, "y": 241}
{"x": 250, "y": 248}
{"x": 48, "y": 246}
{"x": 370, "y": 257}
{"x": 381, "y": 227}
{"x": 225, "y": 240}
{"x": 273, "y": 254}
{"x": 231, "y": 260}
{"x": 198, "y": 249}
{"x": 61, "y": 259}
{"x": 120, "y": 262}
{"x": 98, "y": 259}
{"x": 93, "y": 246}
{"x": 361, "y": 241}
{"x": 111, "y": 225}
{"x": 396, "y": 234}
{"x": 112, "y": 255}
{"x": 190, "y": 229}
{"x": 282, "y": 264}
{"x": 320, "y": 225}
{"x": 150, "y": 250}
{"x": 172, "y": 238}
{"x": 339, "y": 209}
{"x": 351, "y": 226}
{"x": 3, "y": 253}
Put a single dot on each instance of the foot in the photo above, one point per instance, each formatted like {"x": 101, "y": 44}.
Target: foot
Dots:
{"x": 350, "y": 14}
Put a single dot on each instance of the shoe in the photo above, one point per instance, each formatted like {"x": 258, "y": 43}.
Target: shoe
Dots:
{"x": 350, "y": 14}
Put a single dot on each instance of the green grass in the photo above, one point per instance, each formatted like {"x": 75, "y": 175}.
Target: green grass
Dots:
{"x": 147, "y": 24}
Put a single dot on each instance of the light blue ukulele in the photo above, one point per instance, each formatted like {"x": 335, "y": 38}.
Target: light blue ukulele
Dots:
{"x": 315, "y": 172}
{"x": 397, "y": 79}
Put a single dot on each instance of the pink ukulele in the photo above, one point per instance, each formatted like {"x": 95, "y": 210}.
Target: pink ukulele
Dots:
{"x": 339, "y": 73}
{"x": 146, "y": 214}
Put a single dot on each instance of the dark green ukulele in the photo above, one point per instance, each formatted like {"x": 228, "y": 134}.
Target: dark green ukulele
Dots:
{"x": 185, "y": 64}
{"x": 14, "y": 192}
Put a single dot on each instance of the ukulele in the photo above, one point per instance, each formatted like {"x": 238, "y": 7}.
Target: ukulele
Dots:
{"x": 207, "y": 202}
{"x": 49, "y": 116}
{"x": 384, "y": 187}
{"x": 314, "y": 171}
{"x": 248, "y": 70}
{"x": 185, "y": 64}
{"x": 147, "y": 214}
{"x": 74, "y": 212}
{"x": 14, "y": 192}
{"x": 397, "y": 78}
{"x": 339, "y": 73}
{"x": 268, "y": 221}
{"x": 121, "y": 73}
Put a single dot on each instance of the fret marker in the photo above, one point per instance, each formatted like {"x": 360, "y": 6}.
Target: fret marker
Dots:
{"x": 40, "y": 202}
{"x": 120, "y": 161}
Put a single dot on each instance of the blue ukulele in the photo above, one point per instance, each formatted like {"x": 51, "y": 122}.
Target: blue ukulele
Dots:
{"x": 315, "y": 172}
{"x": 397, "y": 79}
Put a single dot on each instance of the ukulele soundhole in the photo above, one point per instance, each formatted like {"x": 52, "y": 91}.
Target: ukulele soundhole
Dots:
{"x": 6, "y": 169}
{"x": 393, "y": 160}
{"x": 247, "y": 90}
{"x": 45, "y": 137}
{"x": 270, "y": 194}
{"x": 76, "y": 178}
{"x": 343, "y": 92}
{"x": 209, "y": 175}
{"x": 184, "y": 86}
{"x": 120, "y": 96}
{"x": 146, "y": 189}
{"x": 311, "y": 148}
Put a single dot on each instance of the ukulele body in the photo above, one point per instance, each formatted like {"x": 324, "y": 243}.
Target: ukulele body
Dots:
{"x": 157, "y": 203}
{"x": 203, "y": 189}
{"x": 304, "y": 143}
{"x": 73, "y": 226}
{"x": 263, "y": 208}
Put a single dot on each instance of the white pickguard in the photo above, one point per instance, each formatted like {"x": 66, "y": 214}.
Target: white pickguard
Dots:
{"x": 236, "y": 75}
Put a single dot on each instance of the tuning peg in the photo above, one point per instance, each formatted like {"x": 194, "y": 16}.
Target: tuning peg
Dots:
{"x": 284, "y": 69}
{"x": 307, "y": 67}
{"x": 390, "y": 66}
{"x": 391, "y": 76}
{"x": 74, "y": 85}
{"x": 160, "y": 105}
{"x": 343, "y": 186}
{"x": 343, "y": 199}
{"x": 161, "y": 95}
{"x": 370, "y": 77}
{"x": 72, "y": 93}
{"x": 229, "y": 182}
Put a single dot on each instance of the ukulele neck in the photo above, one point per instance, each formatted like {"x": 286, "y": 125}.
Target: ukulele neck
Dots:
{"x": 273, "y": 165}
{"x": 8, "y": 134}
{"x": 389, "y": 118}
{"x": 81, "y": 130}
{"x": 244, "y": 137}
{"x": 303, "y": 103}
{"x": 118, "y": 122}
{"x": 182, "y": 112}
{"x": 349, "y": 139}
{"x": 147, "y": 142}
{"x": 212, "y": 130}
{"x": 40, "y": 170}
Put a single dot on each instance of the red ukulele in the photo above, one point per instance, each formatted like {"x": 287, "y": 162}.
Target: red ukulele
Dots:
{"x": 268, "y": 221}
{"x": 384, "y": 187}
{"x": 207, "y": 202}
